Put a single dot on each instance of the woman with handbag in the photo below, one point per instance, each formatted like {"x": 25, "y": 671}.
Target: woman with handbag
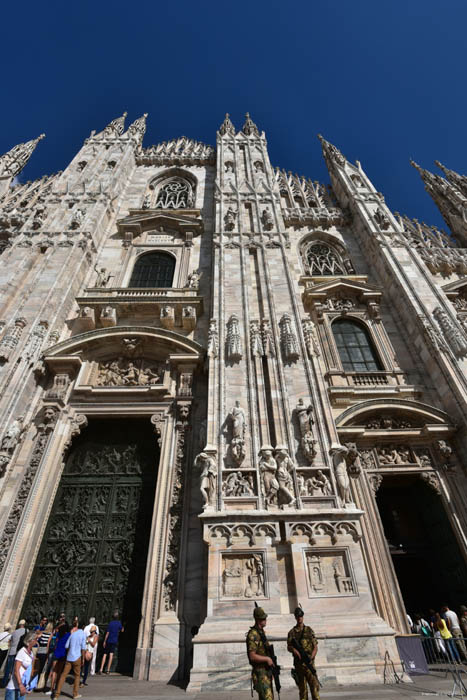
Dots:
{"x": 43, "y": 653}
{"x": 91, "y": 642}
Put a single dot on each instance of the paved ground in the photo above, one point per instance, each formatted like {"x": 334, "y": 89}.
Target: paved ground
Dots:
{"x": 115, "y": 686}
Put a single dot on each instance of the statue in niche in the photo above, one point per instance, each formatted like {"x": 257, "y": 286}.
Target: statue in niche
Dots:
{"x": 255, "y": 576}
{"x": 267, "y": 220}
{"x": 230, "y": 219}
{"x": 305, "y": 422}
{"x": 208, "y": 479}
{"x": 268, "y": 468}
{"x": 233, "y": 340}
{"x": 258, "y": 167}
{"x": 229, "y": 167}
{"x": 283, "y": 459}
{"x": 12, "y": 435}
{"x": 352, "y": 459}
{"x": 338, "y": 454}
{"x": 238, "y": 421}
{"x": 237, "y": 484}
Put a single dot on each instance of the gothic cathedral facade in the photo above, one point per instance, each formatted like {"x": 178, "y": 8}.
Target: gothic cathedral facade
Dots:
{"x": 221, "y": 384}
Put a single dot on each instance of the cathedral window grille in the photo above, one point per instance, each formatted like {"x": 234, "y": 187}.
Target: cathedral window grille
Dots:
{"x": 176, "y": 193}
{"x": 322, "y": 259}
{"x": 153, "y": 270}
{"x": 355, "y": 348}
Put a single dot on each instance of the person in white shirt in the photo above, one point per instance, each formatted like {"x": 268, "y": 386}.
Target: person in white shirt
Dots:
{"x": 454, "y": 627}
{"x": 15, "y": 689}
{"x": 87, "y": 632}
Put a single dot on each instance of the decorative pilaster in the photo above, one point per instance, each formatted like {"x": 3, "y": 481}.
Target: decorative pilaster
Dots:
{"x": 11, "y": 338}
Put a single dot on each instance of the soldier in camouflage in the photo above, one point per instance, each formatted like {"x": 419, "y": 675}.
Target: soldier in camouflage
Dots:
{"x": 261, "y": 664}
{"x": 306, "y": 637}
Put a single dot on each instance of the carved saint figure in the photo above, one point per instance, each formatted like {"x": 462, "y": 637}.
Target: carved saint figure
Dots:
{"x": 208, "y": 479}
{"x": 237, "y": 484}
{"x": 321, "y": 483}
{"x": 267, "y": 220}
{"x": 268, "y": 468}
{"x": 12, "y": 435}
{"x": 338, "y": 454}
{"x": 238, "y": 418}
{"x": 285, "y": 495}
{"x": 305, "y": 420}
{"x": 255, "y": 576}
{"x": 229, "y": 219}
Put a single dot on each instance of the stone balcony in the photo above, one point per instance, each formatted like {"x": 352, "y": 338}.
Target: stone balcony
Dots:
{"x": 345, "y": 388}
{"x": 167, "y": 307}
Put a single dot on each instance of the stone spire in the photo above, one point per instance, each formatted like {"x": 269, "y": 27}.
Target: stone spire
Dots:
{"x": 331, "y": 153}
{"x": 116, "y": 126}
{"x": 249, "y": 127}
{"x": 450, "y": 198}
{"x": 14, "y": 161}
{"x": 227, "y": 128}
{"x": 459, "y": 181}
{"x": 138, "y": 128}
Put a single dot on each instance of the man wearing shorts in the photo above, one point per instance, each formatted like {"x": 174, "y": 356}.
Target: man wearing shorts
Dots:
{"x": 111, "y": 640}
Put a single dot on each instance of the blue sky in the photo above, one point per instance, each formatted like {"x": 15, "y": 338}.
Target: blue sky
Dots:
{"x": 382, "y": 79}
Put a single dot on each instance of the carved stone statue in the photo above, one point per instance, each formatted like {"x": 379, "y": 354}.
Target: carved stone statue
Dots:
{"x": 230, "y": 219}
{"x": 322, "y": 483}
{"x": 12, "y": 434}
{"x": 238, "y": 421}
{"x": 285, "y": 495}
{"x": 193, "y": 279}
{"x": 208, "y": 479}
{"x": 103, "y": 277}
{"x": 233, "y": 343}
{"x": 338, "y": 454}
{"x": 267, "y": 219}
{"x": 268, "y": 468}
{"x": 352, "y": 459}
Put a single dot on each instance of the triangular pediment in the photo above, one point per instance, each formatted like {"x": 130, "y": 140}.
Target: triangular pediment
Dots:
{"x": 341, "y": 286}
{"x": 180, "y": 220}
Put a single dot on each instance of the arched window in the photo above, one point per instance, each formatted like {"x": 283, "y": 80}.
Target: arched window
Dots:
{"x": 322, "y": 259}
{"x": 153, "y": 270}
{"x": 355, "y": 347}
{"x": 175, "y": 193}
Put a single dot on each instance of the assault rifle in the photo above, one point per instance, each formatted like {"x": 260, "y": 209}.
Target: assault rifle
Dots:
{"x": 276, "y": 669}
{"x": 305, "y": 659}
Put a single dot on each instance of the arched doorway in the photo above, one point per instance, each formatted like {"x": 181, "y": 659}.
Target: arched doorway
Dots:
{"x": 92, "y": 559}
{"x": 428, "y": 563}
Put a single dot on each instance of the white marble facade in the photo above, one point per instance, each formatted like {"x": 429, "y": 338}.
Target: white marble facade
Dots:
{"x": 271, "y": 451}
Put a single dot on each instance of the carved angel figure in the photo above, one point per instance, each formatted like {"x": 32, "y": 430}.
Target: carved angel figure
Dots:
{"x": 208, "y": 479}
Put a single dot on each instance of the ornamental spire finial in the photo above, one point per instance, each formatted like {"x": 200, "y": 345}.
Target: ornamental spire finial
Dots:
{"x": 249, "y": 127}
{"x": 116, "y": 126}
{"x": 138, "y": 128}
{"x": 227, "y": 128}
{"x": 330, "y": 152}
{"x": 13, "y": 162}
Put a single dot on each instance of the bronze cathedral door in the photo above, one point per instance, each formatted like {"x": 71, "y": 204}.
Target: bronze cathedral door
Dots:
{"x": 92, "y": 558}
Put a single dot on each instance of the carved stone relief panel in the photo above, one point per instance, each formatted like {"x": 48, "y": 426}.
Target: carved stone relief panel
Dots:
{"x": 126, "y": 372}
{"x": 329, "y": 573}
{"x": 242, "y": 575}
{"x": 236, "y": 484}
{"x": 313, "y": 483}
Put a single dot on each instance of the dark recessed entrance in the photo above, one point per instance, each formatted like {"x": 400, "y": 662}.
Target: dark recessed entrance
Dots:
{"x": 426, "y": 556}
{"x": 93, "y": 555}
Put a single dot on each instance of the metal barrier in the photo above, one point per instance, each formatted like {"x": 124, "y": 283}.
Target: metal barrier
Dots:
{"x": 439, "y": 651}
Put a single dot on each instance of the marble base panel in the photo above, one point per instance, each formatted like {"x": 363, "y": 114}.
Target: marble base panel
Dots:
{"x": 220, "y": 664}
{"x": 165, "y": 660}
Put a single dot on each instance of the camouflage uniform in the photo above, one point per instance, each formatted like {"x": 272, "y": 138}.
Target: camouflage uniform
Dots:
{"x": 305, "y": 677}
{"x": 261, "y": 676}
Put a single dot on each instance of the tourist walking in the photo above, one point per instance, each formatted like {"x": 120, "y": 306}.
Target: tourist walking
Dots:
{"x": 15, "y": 639}
{"x": 463, "y": 620}
{"x": 43, "y": 642}
{"x": 76, "y": 646}
{"x": 59, "y": 658}
{"x": 17, "y": 685}
{"x": 454, "y": 627}
{"x": 91, "y": 646}
{"x": 451, "y": 648}
{"x": 5, "y": 637}
{"x": 87, "y": 632}
{"x": 111, "y": 640}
